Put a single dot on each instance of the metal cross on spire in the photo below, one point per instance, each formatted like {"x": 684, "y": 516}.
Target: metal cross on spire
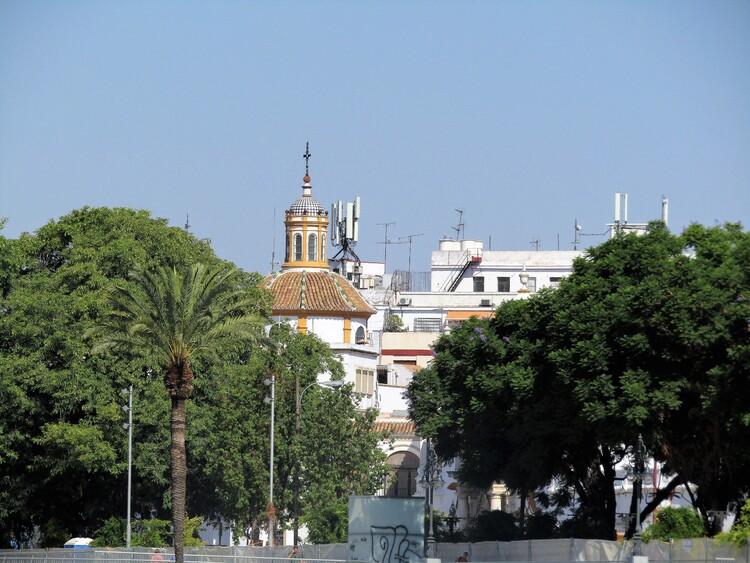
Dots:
{"x": 307, "y": 156}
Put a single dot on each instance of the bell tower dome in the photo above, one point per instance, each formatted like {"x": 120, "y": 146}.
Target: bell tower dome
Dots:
{"x": 306, "y": 229}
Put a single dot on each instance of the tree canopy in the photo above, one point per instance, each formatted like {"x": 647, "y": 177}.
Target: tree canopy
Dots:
{"x": 61, "y": 441}
{"x": 63, "y": 451}
{"x": 649, "y": 334}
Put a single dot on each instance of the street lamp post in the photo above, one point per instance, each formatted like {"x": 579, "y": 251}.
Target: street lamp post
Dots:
{"x": 271, "y": 510}
{"x": 129, "y": 426}
{"x": 272, "y": 400}
{"x": 431, "y": 479}
{"x": 332, "y": 384}
{"x": 635, "y": 476}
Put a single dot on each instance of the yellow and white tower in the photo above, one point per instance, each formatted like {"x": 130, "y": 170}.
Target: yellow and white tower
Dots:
{"x": 306, "y": 229}
{"x": 306, "y": 292}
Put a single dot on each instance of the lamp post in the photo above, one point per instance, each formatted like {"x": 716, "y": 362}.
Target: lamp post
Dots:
{"x": 129, "y": 426}
{"x": 271, "y": 510}
{"x": 635, "y": 476}
{"x": 431, "y": 479}
{"x": 272, "y": 400}
{"x": 331, "y": 384}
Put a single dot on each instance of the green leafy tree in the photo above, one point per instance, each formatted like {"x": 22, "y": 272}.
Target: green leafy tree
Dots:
{"x": 394, "y": 324}
{"x": 63, "y": 451}
{"x": 62, "y": 447}
{"x": 177, "y": 315}
{"x": 649, "y": 335}
{"x": 674, "y": 524}
{"x": 330, "y": 451}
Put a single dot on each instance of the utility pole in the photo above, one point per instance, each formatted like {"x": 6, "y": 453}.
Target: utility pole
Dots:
{"x": 297, "y": 419}
{"x": 129, "y": 426}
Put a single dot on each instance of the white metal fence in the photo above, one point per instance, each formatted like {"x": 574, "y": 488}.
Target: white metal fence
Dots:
{"x": 701, "y": 550}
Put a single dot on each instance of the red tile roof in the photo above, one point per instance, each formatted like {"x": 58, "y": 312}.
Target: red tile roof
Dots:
{"x": 315, "y": 291}
{"x": 396, "y": 428}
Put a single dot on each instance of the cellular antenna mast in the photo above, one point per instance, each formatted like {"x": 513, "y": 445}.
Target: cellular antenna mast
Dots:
{"x": 345, "y": 233}
{"x": 460, "y": 227}
{"x": 187, "y": 222}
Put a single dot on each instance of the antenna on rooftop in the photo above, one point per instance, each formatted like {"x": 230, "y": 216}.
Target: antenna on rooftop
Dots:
{"x": 576, "y": 235}
{"x": 386, "y": 242}
{"x": 535, "y": 242}
{"x": 345, "y": 232}
{"x": 187, "y": 222}
{"x": 460, "y": 227}
{"x": 273, "y": 244}
{"x": 410, "y": 237}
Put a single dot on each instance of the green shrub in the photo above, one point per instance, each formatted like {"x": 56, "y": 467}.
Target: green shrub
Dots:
{"x": 740, "y": 531}
{"x": 110, "y": 534}
{"x": 145, "y": 533}
{"x": 675, "y": 523}
{"x": 494, "y": 525}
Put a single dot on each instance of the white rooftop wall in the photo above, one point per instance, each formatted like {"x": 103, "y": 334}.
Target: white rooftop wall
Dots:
{"x": 543, "y": 264}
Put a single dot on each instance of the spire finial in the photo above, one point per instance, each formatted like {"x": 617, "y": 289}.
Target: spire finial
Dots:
{"x": 307, "y": 156}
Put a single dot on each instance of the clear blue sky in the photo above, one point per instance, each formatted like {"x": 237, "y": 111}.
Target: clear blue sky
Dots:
{"x": 525, "y": 115}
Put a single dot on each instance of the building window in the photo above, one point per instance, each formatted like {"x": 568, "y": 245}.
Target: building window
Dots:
{"x": 503, "y": 284}
{"x": 298, "y": 247}
{"x": 323, "y": 247}
{"x": 426, "y": 324}
{"x": 554, "y": 282}
{"x": 364, "y": 381}
{"x": 478, "y": 284}
{"x": 359, "y": 335}
{"x": 531, "y": 284}
{"x": 312, "y": 248}
{"x": 383, "y": 375}
{"x": 288, "y": 255}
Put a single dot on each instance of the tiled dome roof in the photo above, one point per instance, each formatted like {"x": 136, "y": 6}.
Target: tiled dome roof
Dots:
{"x": 318, "y": 291}
{"x": 306, "y": 205}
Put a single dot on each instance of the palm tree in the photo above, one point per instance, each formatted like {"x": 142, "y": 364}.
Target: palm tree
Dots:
{"x": 174, "y": 315}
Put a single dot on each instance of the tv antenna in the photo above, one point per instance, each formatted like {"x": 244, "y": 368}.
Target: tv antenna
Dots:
{"x": 536, "y": 242}
{"x": 385, "y": 243}
{"x": 187, "y": 222}
{"x": 273, "y": 244}
{"x": 460, "y": 227}
{"x": 409, "y": 239}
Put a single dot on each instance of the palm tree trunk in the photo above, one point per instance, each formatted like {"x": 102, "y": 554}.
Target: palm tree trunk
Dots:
{"x": 179, "y": 476}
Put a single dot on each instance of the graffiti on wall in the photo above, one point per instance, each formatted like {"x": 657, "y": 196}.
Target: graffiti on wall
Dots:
{"x": 386, "y": 530}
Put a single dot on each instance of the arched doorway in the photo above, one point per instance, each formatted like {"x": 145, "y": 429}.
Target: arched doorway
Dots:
{"x": 402, "y": 478}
